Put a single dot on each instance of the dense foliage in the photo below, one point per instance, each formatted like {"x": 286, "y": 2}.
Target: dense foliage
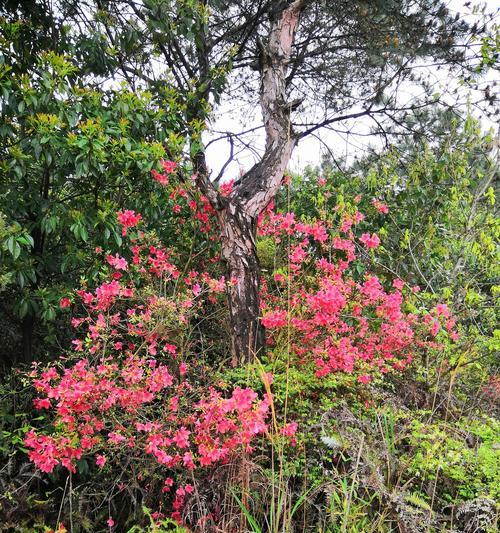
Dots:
{"x": 70, "y": 157}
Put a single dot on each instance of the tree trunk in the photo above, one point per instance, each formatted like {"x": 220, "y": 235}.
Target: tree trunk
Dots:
{"x": 240, "y": 255}
{"x": 237, "y": 214}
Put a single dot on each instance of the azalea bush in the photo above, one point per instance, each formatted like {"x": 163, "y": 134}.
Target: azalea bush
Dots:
{"x": 432, "y": 204}
{"x": 338, "y": 317}
{"x": 131, "y": 390}
{"x": 372, "y": 407}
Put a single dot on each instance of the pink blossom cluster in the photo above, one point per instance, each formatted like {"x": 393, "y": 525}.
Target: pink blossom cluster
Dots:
{"x": 100, "y": 409}
{"x": 275, "y": 224}
{"x": 338, "y": 322}
{"x": 168, "y": 168}
{"x": 226, "y": 188}
{"x": 128, "y": 219}
{"x": 370, "y": 241}
{"x": 128, "y": 388}
{"x": 380, "y": 206}
{"x": 187, "y": 201}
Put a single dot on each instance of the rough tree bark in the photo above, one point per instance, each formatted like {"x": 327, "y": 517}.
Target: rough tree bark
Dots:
{"x": 240, "y": 256}
{"x": 237, "y": 215}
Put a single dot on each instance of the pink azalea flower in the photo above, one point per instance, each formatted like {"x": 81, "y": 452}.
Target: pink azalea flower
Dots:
{"x": 117, "y": 262}
{"x": 289, "y": 430}
{"x": 398, "y": 284}
{"x": 380, "y": 206}
{"x": 168, "y": 166}
{"x": 226, "y": 188}
{"x": 128, "y": 219}
{"x": 274, "y": 319}
{"x": 42, "y": 403}
{"x": 162, "y": 179}
{"x": 370, "y": 241}
{"x": 443, "y": 310}
{"x": 64, "y": 302}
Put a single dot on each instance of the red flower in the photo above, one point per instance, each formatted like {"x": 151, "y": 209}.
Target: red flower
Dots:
{"x": 274, "y": 319}
{"x": 289, "y": 430}
{"x": 162, "y": 179}
{"x": 380, "y": 207}
{"x": 128, "y": 219}
{"x": 168, "y": 166}
{"x": 226, "y": 188}
{"x": 117, "y": 262}
{"x": 64, "y": 302}
{"x": 42, "y": 403}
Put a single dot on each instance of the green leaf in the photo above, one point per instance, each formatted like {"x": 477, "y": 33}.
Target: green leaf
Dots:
{"x": 13, "y": 246}
{"x": 23, "y": 309}
{"x": 251, "y": 520}
{"x": 84, "y": 233}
